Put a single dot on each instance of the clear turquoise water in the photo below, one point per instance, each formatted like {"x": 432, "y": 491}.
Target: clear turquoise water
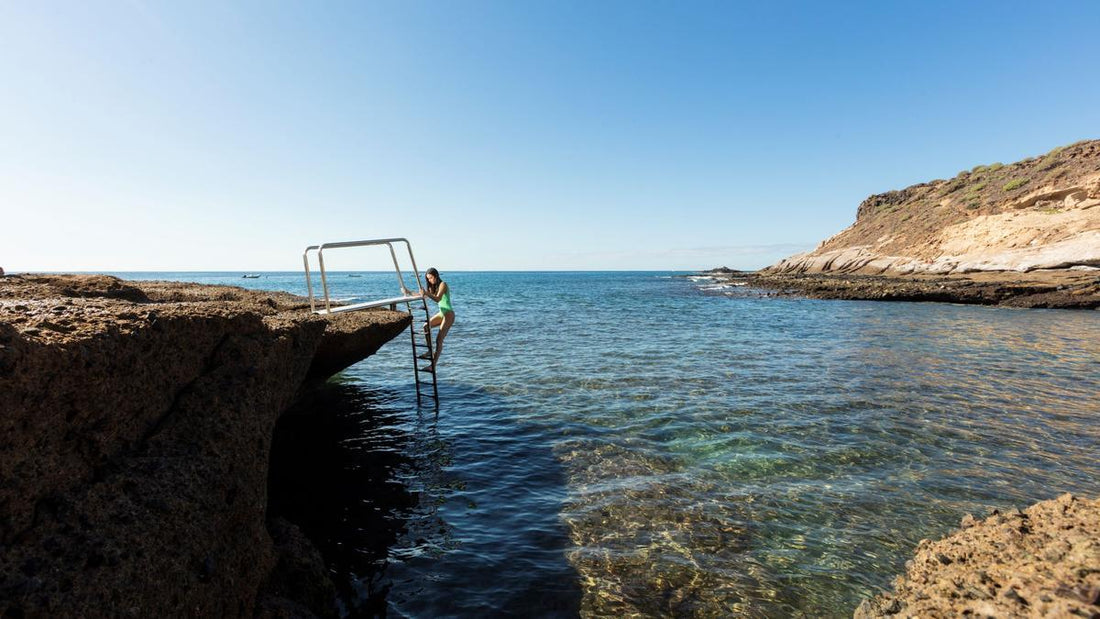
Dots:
{"x": 646, "y": 444}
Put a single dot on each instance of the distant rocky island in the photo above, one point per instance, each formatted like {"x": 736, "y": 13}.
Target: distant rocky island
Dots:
{"x": 1025, "y": 234}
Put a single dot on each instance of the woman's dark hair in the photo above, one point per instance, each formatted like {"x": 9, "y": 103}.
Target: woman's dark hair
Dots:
{"x": 438, "y": 280}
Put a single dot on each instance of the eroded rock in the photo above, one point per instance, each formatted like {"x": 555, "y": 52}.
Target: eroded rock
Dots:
{"x": 137, "y": 421}
{"x": 1033, "y": 214}
{"x": 1041, "y": 562}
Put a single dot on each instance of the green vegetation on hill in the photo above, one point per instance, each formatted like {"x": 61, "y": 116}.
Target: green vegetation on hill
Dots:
{"x": 907, "y": 216}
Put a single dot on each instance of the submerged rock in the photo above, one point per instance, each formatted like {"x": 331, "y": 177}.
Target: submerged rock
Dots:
{"x": 137, "y": 421}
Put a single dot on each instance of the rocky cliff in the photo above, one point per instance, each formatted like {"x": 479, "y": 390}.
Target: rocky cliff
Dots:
{"x": 137, "y": 421}
{"x": 1039, "y": 213}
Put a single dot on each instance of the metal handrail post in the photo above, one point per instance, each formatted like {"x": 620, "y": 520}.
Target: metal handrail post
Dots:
{"x": 396, "y": 268}
{"x": 324, "y": 279}
{"x": 309, "y": 281}
{"x": 412, "y": 259}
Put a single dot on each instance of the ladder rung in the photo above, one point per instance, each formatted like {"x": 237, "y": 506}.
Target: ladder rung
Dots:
{"x": 426, "y": 356}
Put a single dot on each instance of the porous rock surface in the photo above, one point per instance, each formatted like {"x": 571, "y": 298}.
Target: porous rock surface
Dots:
{"x": 136, "y": 423}
{"x": 1040, "y": 562}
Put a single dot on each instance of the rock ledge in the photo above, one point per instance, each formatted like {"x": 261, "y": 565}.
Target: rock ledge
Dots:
{"x": 137, "y": 422}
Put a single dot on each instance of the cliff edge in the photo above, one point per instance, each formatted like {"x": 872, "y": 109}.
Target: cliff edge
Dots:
{"x": 137, "y": 421}
{"x": 1039, "y": 213}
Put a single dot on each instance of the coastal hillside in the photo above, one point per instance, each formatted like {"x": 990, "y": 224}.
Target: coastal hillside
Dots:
{"x": 1039, "y": 213}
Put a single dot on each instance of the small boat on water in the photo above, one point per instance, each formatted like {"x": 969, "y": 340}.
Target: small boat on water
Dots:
{"x": 354, "y": 275}
{"x": 251, "y": 276}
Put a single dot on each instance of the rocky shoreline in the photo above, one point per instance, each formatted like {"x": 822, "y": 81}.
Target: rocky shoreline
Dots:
{"x": 1060, "y": 289}
{"x": 137, "y": 420}
{"x": 1040, "y": 562}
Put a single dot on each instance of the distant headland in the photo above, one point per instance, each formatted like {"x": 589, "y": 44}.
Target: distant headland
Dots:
{"x": 1025, "y": 234}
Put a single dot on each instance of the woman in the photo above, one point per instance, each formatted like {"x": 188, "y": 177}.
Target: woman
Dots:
{"x": 439, "y": 292}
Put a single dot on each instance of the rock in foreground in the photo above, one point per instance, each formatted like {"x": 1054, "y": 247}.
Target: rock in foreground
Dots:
{"x": 1041, "y": 562}
{"x": 137, "y": 421}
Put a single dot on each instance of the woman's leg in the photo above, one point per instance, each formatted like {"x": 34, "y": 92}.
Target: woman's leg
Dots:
{"x": 448, "y": 320}
{"x": 434, "y": 321}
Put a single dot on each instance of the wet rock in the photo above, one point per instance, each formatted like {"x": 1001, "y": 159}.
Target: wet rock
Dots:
{"x": 299, "y": 579}
{"x": 1026, "y": 290}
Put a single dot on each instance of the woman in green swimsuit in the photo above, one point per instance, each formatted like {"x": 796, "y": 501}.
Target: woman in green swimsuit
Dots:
{"x": 440, "y": 292}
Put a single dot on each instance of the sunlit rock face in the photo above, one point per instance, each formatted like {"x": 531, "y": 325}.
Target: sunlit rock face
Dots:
{"x": 1040, "y": 562}
{"x": 137, "y": 423}
{"x": 1039, "y": 213}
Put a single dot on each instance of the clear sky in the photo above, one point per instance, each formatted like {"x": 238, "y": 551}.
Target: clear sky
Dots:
{"x": 515, "y": 135}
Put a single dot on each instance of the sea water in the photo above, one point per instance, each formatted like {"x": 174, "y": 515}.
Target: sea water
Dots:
{"x": 653, "y": 444}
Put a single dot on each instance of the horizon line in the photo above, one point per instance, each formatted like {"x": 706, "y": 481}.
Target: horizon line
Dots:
{"x": 235, "y": 271}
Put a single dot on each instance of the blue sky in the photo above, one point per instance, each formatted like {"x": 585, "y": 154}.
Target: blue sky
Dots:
{"x": 141, "y": 135}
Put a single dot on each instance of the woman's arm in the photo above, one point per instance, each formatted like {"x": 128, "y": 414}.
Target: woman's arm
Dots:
{"x": 437, "y": 297}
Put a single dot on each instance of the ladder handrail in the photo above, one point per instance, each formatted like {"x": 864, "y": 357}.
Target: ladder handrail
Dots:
{"x": 364, "y": 243}
{"x": 309, "y": 281}
{"x": 408, "y": 298}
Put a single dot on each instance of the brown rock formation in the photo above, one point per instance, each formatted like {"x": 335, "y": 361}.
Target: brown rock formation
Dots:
{"x": 1061, "y": 289}
{"x": 137, "y": 422}
{"x": 1039, "y": 213}
{"x": 1041, "y": 562}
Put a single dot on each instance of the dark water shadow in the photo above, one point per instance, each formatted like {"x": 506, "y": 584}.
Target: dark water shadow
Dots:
{"x": 405, "y": 518}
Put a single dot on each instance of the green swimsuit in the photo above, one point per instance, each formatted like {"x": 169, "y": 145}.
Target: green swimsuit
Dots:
{"x": 445, "y": 302}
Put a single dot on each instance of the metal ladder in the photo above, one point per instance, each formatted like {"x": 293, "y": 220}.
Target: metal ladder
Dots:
{"x": 420, "y": 352}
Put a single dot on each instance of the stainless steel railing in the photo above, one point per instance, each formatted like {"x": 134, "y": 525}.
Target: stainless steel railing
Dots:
{"x": 408, "y": 297}
{"x": 328, "y": 309}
